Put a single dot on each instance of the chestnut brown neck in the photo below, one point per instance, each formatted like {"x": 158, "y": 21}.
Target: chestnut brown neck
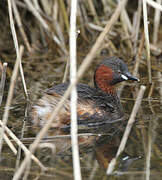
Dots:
{"x": 103, "y": 78}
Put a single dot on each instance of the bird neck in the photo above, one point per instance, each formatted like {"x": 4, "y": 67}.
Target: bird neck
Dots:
{"x": 103, "y": 78}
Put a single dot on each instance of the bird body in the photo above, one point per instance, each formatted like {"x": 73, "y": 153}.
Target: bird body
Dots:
{"x": 98, "y": 107}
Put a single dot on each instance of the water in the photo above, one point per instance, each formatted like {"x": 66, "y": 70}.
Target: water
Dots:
{"x": 94, "y": 159}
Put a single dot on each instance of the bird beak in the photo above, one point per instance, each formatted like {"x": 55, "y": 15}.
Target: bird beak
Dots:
{"x": 127, "y": 76}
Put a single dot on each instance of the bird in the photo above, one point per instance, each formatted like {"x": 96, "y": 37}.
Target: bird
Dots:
{"x": 98, "y": 107}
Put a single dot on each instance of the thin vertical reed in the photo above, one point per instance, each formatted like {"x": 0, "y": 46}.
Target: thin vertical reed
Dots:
{"x": 93, "y": 11}
{"x": 126, "y": 31}
{"x": 147, "y": 43}
{"x": 23, "y": 80}
{"x": 73, "y": 102}
{"x": 156, "y": 23}
{"x": 93, "y": 172}
{"x": 127, "y": 20}
{"x": 2, "y": 83}
{"x": 148, "y": 155}
{"x": 152, "y": 124}
{"x": 12, "y": 26}
{"x": 155, "y": 38}
{"x": 20, "y": 25}
{"x": 138, "y": 56}
{"x": 66, "y": 71}
{"x": 136, "y": 26}
{"x": 63, "y": 10}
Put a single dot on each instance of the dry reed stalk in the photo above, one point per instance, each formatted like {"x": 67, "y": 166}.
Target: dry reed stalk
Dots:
{"x": 155, "y": 38}
{"x": 47, "y": 6}
{"x": 51, "y": 138}
{"x": 95, "y": 27}
{"x": 127, "y": 20}
{"x": 58, "y": 42}
{"x": 156, "y": 23}
{"x": 9, "y": 98}
{"x": 106, "y": 7}
{"x": 147, "y": 43}
{"x": 60, "y": 34}
{"x": 93, "y": 172}
{"x": 159, "y": 75}
{"x": 83, "y": 20}
{"x": 65, "y": 16}
{"x": 20, "y": 4}
{"x": 55, "y": 10}
{"x": 73, "y": 99}
{"x": 44, "y": 24}
{"x": 154, "y": 4}
{"x": 23, "y": 80}
{"x": 93, "y": 11}
{"x": 36, "y": 4}
{"x": 61, "y": 172}
{"x": 12, "y": 147}
{"x": 27, "y": 169}
{"x": 36, "y": 14}
{"x": 156, "y": 50}
{"x": 52, "y": 173}
{"x": 14, "y": 75}
{"x": 149, "y": 150}
{"x": 20, "y": 25}
{"x": 131, "y": 120}
{"x": 138, "y": 56}
{"x": 1, "y": 66}
{"x": 54, "y": 21}
{"x": 12, "y": 26}
{"x": 150, "y": 133}
{"x": 112, "y": 46}
{"x": 88, "y": 59}
{"x": 83, "y": 67}
{"x": 18, "y": 158}
{"x": 66, "y": 71}
{"x": 149, "y": 97}
{"x": 151, "y": 90}
{"x": 136, "y": 26}
{"x": 135, "y": 174}
{"x": 2, "y": 83}
{"x": 23, "y": 147}
{"x": 125, "y": 28}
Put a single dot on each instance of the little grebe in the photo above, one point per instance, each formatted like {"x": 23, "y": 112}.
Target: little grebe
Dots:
{"x": 98, "y": 107}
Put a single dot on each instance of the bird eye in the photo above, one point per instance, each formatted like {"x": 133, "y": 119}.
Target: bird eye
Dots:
{"x": 119, "y": 71}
